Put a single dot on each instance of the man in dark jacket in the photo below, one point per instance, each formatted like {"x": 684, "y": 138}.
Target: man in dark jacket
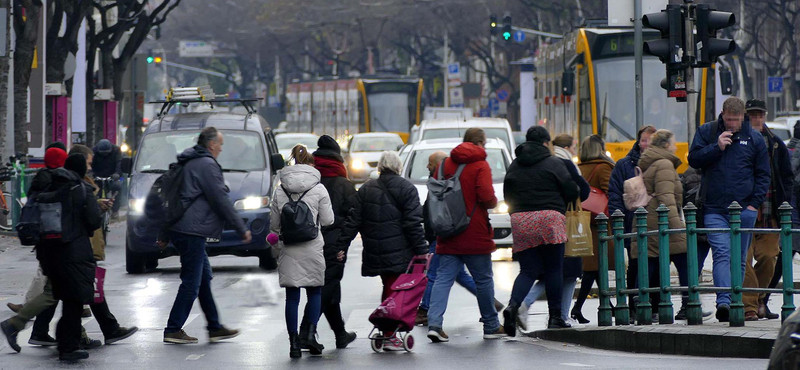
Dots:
{"x": 205, "y": 197}
{"x": 474, "y": 246}
{"x": 765, "y": 248}
{"x": 344, "y": 198}
{"x": 736, "y": 168}
{"x": 107, "y": 162}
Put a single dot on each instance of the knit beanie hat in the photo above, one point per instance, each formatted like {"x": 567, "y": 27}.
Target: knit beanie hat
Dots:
{"x": 55, "y": 157}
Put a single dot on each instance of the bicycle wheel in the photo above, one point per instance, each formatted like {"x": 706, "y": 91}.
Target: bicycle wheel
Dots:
{"x": 5, "y": 212}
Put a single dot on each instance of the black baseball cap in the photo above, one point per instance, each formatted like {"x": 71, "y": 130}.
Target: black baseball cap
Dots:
{"x": 755, "y": 104}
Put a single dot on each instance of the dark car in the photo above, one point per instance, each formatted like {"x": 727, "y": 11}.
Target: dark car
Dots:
{"x": 786, "y": 350}
{"x": 249, "y": 161}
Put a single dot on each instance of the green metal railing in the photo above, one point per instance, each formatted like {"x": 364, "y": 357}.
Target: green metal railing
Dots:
{"x": 694, "y": 313}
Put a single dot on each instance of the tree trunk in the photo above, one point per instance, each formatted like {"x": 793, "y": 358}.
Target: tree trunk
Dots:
{"x": 4, "y": 69}
{"x": 23, "y": 61}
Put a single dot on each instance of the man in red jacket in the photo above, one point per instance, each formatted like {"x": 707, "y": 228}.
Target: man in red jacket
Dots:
{"x": 474, "y": 246}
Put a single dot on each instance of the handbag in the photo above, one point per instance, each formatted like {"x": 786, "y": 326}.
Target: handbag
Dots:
{"x": 597, "y": 202}
{"x": 579, "y": 232}
{"x": 99, "y": 281}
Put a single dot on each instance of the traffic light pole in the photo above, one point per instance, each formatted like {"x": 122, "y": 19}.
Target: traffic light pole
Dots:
{"x": 691, "y": 98}
{"x": 638, "y": 45}
{"x": 446, "y": 59}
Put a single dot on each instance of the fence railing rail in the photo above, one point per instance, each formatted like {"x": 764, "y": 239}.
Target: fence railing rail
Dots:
{"x": 644, "y": 308}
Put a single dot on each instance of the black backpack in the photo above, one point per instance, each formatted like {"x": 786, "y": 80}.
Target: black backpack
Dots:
{"x": 163, "y": 207}
{"x": 297, "y": 220}
{"x": 49, "y": 215}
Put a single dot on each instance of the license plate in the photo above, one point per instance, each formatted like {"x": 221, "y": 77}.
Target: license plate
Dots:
{"x": 212, "y": 240}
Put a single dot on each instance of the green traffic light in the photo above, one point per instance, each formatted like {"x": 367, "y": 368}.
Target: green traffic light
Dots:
{"x": 150, "y": 59}
{"x": 506, "y": 35}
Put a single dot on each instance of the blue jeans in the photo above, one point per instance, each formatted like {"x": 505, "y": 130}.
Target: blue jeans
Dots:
{"x": 480, "y": 266}
{"x": 567, "y": 292}
{"x": 463, "y": 278}
{"x": 195, "y": 283}
{"x": 313, "y": 306}
{"x": 721, "y": 250}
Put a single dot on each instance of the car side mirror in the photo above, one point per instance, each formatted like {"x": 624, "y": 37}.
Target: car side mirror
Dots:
{"x": 127, "y": 165}
{"x": 277, "y": 162}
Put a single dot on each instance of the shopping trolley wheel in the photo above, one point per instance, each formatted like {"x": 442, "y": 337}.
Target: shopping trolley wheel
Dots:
{"x": 408, "y": 342}
{"x": 376, "y": 343}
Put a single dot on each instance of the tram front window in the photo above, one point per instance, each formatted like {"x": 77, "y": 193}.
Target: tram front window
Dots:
{"x": 388, "y": 112}
{"x": 616, "y": 96}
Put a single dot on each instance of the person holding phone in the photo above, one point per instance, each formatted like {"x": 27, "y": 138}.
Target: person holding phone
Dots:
{"x": 735, "y": 165}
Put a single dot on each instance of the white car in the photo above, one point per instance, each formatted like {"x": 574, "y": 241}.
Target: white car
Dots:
{"x": 497, "y": 128}
{"x": 783, "y": 127}
{"x": 415, "y": 170}
{"x": 364, "y": 150}
{"x": 287, "y": 141}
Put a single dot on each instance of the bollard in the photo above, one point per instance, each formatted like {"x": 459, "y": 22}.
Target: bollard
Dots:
{"x": 694, "y": 311}
{"x": 621, "y": 313}
{"x": 604, "y": 313}
{"x": 644, "y": 312}
{"x": 665, "y": 315}
{"x": 786, "y": 252}
{"x": 737, "y": 308}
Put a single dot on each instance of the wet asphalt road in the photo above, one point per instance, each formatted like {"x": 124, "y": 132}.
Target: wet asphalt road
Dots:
{"x": 250, "y": 299}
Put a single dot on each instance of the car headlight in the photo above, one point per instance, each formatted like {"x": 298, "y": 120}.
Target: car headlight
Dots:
{"x": 501, "y": 208}
{"x": 136, "y": 206}
{"x": 251, "y": 203}
{"x": 608, "y": 154}
{"x": 357, "y": 164}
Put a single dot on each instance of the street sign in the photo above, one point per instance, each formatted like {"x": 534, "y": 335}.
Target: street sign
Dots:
{"x": 454, "y": 70}
{"x": 494, "y": 105}
{"x": 775, "y": 86}
{"x": 502, "y": 108}
{"x": 502, "y": 94}
{"x": 195, "y": 49}
{"x": 519, "y": 36}
{"x": 485, "y": 112}
{"x": 456, "y": 97}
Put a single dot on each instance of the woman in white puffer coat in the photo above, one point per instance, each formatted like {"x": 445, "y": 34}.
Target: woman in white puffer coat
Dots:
{"x": 301, "y": 265}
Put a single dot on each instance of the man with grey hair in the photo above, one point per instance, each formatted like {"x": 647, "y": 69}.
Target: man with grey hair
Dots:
{"x": 735, "y": 164}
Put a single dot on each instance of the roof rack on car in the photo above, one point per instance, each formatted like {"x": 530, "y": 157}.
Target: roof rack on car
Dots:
{"x": 202, "y": 94}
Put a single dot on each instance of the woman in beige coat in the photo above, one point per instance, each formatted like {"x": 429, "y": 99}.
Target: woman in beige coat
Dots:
{"x": 302, "y": 265}
{"x": 659, "y": 165}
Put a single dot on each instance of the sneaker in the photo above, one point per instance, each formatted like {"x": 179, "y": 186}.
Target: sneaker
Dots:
{"x": 343, "y": 339}
{"x": 73, "y": 356}
{"x": 87, "y": 313}
{"x": 221, "y": 334}
{"x": 437, "y": 335}
{"x": 422, "y": 317}
{"x": 394, "y": 344}
{"x": 179, "y": 337}
{"x": 497, "y": 334}
{"x": 723, "y": 313}
{"x": 42, "y": 340}
{"x": 522, "y": 317}
{"x": 14, "y": 307}
{"x": 89, "y": 343}
{"x": 120, "y": 334}
{"x": 11, "y": 335}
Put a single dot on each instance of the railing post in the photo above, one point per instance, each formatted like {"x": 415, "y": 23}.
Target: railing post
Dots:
{"x": 622, "y": 313}
{"x": 694, "y": 311}
{"x": 644, "y": 312}
{"x": 665, "y": 315}
{"x": 604, "y": 314}
{"x": 737, "y": 308}
{"x": 16, "y": 192}
{"x": 786, "y": 254}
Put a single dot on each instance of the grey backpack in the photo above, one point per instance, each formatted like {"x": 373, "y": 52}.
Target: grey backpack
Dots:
{"x": 446, "y": 206}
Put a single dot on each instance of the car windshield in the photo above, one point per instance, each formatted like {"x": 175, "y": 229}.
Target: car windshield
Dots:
{"x": 418, "y": 170}
{"x": 458, "y": 133}
{"x": 289, "y": 141}
{"x": 782, "y": 133}
{"x": 241, "y": 151}
{"x": 376, "y": 144}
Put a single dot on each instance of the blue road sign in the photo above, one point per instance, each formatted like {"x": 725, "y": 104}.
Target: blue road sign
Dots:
{"x": 776, "y": 84}
{"x": 494, "y": 105}
{"x": 485, "y": 112}
{"x": 519, "y": 36}
{"x": 453, "y": 68}
{"x": 502, "y": 94}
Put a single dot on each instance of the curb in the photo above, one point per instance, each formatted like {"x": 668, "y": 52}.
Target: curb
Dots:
{"x": 691, "y": 341}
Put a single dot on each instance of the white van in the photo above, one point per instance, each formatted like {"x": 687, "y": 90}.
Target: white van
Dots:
{"x": 498, "y": 128}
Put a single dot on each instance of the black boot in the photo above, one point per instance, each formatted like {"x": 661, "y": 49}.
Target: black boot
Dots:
{"x": 294, "y": 346}
{"x": 303, "y": 334}
{"x": 510, "y": 318}
{"x": 344, "y": 338}
{"x": 577, "y": 315}
{"x": 556, "y": 321}
{"x": 681, "y": 315}
{"x": 313, "y": 346}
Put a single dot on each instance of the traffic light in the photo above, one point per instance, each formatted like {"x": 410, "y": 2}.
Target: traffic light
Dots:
{"x": 493, "y": 25}
{"x": 507, "y": 26}
{"x": 709, "y": 47}
{"x": 670, "y": 47}
{"x": 150, "y": 59}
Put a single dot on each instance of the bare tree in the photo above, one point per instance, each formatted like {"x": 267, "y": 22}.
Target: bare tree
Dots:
{"x": 27, "y": 30}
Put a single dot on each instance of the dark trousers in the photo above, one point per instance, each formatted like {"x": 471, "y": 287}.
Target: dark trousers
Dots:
{"x": 68, "y": 331}
{"x": 195, "y": 283}
{"x": 587, "y": 280}
{"x": 680, "y": 262}
{"x": 312, "y": 311}
{"x": 546, "y": 263}
{"x": 108, "y": 323}
{"x": 41, "y": 326}
{"x": 330, "y": 306}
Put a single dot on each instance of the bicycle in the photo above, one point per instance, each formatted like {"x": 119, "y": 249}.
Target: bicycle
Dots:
{"x": 104, "y": 183}
{"x": 15, "y": 167}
